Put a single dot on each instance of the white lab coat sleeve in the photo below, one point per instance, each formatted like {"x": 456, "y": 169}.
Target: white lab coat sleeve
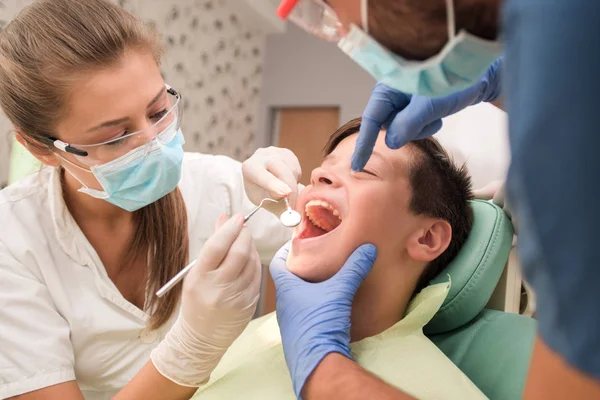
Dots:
{"x": 267, "y": 232}
{"x": 35, "y": 350}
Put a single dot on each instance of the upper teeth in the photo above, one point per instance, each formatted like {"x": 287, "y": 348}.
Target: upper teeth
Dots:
{"x": 325, "y": 204}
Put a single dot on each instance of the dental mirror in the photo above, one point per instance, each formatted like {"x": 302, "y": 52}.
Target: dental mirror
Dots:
{"x": 290, "y": 218}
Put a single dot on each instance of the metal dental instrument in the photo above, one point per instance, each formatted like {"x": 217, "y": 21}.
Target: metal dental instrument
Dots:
{"x": 181, "y": 274}
{"x": 258, "y": 207}
{"x": 290, "y": 217}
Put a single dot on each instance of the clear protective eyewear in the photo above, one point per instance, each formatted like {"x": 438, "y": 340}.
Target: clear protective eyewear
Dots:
{"x": 314, "y": 16}
{"x": 100, "y": 153}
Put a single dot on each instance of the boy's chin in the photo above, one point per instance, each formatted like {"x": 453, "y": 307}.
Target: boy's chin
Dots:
{"x": 308, "y": 268}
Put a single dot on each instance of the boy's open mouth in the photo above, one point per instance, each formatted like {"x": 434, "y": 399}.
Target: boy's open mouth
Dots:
{"x": 321, "y": 219}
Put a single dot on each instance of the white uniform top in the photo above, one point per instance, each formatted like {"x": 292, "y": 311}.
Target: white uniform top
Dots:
{"x": 61, "y": 317}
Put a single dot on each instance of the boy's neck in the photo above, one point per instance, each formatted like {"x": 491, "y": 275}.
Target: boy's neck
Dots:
{"x": 382, "y": 299}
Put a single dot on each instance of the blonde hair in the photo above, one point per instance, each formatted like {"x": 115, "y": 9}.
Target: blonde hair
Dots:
{"x": 43, "y": 52}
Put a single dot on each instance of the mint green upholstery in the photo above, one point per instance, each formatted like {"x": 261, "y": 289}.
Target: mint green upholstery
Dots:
{"x": 492, "y": 348}
{"x": 476, "y": 269}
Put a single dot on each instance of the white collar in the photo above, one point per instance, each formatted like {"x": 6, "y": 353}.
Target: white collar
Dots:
{"x": 70, "y": 237}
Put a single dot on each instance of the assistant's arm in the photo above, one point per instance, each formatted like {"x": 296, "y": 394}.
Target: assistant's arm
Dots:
{"x": 339, "y": 377}
{"x": 550, "y": 377}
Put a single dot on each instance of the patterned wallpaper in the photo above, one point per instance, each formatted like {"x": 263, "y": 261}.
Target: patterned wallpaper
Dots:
{"x": 212, "y": 57}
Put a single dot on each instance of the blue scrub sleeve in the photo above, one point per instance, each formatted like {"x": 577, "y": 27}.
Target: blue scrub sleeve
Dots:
{"x": 552, "y": 91}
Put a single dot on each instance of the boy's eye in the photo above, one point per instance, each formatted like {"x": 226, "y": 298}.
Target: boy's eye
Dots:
{"x": 363, "y": 172}
{"x": 366, "y": 171}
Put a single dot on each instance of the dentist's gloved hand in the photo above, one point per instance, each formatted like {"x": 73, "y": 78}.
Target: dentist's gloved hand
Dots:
{"x": 314, "y": 318}
{"x": 272, "y": 172}
{"x": 218, "y": 300}
{"x": 407, "y": 117}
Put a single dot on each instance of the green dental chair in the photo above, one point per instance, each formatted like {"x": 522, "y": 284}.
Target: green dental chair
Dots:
{"x": 492, "y": 348}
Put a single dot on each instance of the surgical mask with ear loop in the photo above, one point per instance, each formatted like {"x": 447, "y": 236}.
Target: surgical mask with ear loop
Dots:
{"x": 460, "y": 64}
{"x": 140, "y": 176}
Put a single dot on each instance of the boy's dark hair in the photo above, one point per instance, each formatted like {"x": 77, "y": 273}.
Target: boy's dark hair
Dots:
{"x": 440, "y": 190}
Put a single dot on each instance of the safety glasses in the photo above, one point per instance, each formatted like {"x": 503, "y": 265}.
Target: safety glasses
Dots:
{"x": 314, "y": 16}
{"x": 163, "y": 130}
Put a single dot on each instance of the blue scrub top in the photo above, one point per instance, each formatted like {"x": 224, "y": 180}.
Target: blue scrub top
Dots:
{"x": 552, "y": 89}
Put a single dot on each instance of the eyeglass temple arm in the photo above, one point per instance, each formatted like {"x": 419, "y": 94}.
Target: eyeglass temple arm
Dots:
{"x": 59, "y": 144}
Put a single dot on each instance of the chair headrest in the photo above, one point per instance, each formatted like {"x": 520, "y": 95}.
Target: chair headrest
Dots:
{"x": 476, "y": 269}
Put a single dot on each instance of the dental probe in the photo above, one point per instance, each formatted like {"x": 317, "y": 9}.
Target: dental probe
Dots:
{"x": 289, "y": 217}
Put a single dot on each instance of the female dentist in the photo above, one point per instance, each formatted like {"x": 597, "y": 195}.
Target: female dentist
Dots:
{"x": 85, "y": 244}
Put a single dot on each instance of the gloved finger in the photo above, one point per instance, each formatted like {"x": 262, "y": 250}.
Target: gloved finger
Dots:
{"x": 257, "y": 174}
{"x": 409, "y": 123}
{"x": 367, "y": 137}
{"x": 430, "y": 129}
{"x": 216, "y": 247}
{"x": 294, "y": 165}
{"x": 252, "y": 289}
{"x": 236, "y": 258}
{"x": 283, "y": 171}
{"x": 220, "y": 221}
{"x": 357, "y": 267}
{"x": 244, "y": 287}
{"x": 292, "y": 161}
{"x": 383, "y": 104}
{"x": 256, "y": 267}
{"x": 278, "y": 267}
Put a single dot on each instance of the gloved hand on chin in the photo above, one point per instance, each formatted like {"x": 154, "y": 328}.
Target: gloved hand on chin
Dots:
{"x": 408, "y": 118}
{"x": 314, "y": 318}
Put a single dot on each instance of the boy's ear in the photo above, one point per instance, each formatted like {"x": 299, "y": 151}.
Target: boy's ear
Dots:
{"x": 431, "y": 241}
{"x": 43, "y": 155}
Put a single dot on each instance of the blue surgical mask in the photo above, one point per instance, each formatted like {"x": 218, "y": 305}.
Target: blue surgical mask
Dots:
{"x": 460, "y": 64}
{"x": 142, "y": 176}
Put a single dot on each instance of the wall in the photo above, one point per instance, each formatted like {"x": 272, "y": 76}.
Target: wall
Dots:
{"x": 212, "y": 57}
{"x": 301, "y": 70}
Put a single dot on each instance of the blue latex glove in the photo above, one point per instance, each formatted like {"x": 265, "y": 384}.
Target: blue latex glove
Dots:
{"x": 407, "y": 117}
{"x": 314, "y": 318}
